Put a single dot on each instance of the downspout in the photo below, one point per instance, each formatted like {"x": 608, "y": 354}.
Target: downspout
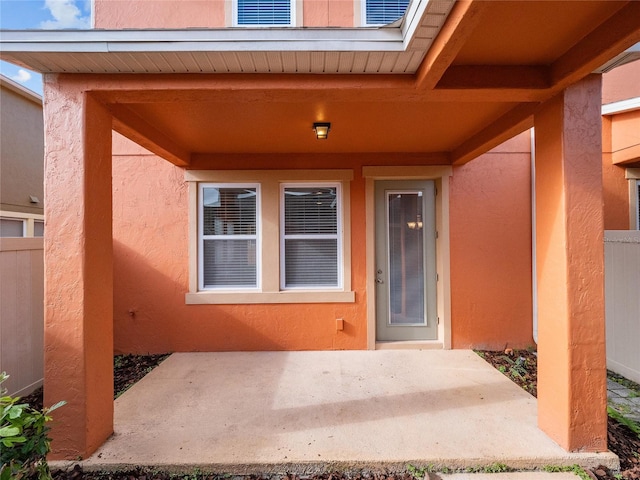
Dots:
{"x": 534, "y": 273}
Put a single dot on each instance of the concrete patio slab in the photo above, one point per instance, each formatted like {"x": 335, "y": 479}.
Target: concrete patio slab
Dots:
{"x": 309, "y": 412}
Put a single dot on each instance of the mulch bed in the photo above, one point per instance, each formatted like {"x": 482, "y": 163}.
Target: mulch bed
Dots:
{"x": 519, "y": 365}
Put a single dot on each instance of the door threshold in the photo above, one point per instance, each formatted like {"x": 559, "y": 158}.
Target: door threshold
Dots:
{"x": 411, "y": 345}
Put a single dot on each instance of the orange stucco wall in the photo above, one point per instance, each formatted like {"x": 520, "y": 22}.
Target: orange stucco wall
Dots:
{"x": 570, "y": 263}
{"x": 490, "y": 246}
{"x": 78, "y": 268}
{"x": 491, "y": 249}
{"x": 159, "y": 14}
{"x": 208, "y": 14}
{"x": 151, "y": 277}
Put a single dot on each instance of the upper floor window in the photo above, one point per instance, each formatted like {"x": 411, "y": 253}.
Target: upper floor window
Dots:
{"x": 264, "y": 12}
{"x": 382, "y": 12}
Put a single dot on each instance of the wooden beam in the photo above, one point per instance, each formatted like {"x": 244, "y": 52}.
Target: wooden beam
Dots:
{"x": 512, "y": 123}
{"x": 491, "y": 77}
{"x": 612, "y": 37}
{"x": 135, "y": 128}
{"x": 460, "y": 24}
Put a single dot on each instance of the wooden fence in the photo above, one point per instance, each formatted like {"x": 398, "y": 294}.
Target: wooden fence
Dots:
{"x": 622, "y": 294}
{"x": 21, "y": 313}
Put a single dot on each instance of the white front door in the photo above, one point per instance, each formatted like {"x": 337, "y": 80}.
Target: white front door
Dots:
{"x": 405, "y": 260}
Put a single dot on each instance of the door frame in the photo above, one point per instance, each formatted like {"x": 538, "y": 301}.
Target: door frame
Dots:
{"x": 440, "y": 174}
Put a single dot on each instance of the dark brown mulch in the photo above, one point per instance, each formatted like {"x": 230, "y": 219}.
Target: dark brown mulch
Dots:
{"x": 521, "y": 366}
{"x": 147, "y": 474}
{"x": 621, "y": 439}
{"x": 127, "y": 370}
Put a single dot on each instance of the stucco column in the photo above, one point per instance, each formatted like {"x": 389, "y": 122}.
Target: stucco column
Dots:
{"x": 78, "y": 268}
{"x": 572, "y": 394}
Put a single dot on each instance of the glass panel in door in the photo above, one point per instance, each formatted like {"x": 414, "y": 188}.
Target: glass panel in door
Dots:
{"x": 405, "y": 258}
{"x": 405, "y": 261}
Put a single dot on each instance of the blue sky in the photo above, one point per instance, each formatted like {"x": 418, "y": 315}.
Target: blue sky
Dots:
{"x": 40, "y": 14}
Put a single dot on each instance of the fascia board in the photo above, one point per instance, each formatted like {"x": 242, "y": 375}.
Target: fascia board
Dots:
{"x": 316, "y": 40}
{"x": 622, "y": 106}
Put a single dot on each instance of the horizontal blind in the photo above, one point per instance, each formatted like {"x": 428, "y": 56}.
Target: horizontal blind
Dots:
{"x": 264, "y": 12}
{"x": 310, "y": 236}
{"x": 385, "y": 11}
{"x": 229, "y": 263}
{"x": 229, "y": 236}
{"x": 310, "y": 211}
{"x": 311, "y": 262}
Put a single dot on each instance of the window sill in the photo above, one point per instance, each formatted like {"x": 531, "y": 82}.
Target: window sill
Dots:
{"x": 239, "y": 298}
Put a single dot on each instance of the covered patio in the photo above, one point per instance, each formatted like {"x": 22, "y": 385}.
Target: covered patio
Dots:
{"x": 311, "y": 412}
{"x": 235, "y": 106}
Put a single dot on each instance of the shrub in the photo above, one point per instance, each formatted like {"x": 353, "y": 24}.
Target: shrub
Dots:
{"x": 23, "y": 437}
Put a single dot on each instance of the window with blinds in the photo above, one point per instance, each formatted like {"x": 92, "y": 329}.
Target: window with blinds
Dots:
{"x": 228, "y": 236}
{"x": 264, "y": 12}
{"x": 381, "y": 12}
{"x": 310, "y": 236}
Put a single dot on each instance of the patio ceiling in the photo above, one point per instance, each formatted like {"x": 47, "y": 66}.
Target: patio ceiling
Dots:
{"x": 451, "y": 81}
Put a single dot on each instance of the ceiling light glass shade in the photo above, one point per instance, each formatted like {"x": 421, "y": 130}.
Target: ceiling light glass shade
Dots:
{"x": 322, "y": 130}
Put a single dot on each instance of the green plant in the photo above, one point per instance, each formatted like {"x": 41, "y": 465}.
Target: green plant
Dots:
{"x": 620, "y": 418}
{"x": 496, "y": 468}
{"x": 23, "y": 436}
{"x": 576, "y": 469}
{"x": 416, "y": 472}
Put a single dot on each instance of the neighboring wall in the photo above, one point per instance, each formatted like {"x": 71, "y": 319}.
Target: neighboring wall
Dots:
{"x": 620, "y": 142}
{"x": 21, "y": 149}
{"x": 491, "y": 249}
{"x": 21, "y": 313}
{"x": 621, "y": 83}
{"x": 622, "y": 278}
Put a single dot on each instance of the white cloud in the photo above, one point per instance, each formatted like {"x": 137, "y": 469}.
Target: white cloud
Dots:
{"x": 21, "y": 77}
{"x": 66, "y": 14}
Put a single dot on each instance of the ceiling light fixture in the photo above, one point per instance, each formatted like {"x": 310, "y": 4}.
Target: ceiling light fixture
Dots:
{"x": 322, "y": 130}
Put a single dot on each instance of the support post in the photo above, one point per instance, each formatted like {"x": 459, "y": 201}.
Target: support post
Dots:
{"x": 78, "y": 268}
{"x": 572, "y": 395}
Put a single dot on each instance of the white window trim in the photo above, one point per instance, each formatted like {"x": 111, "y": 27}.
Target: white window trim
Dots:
{"x": 441, "y": 175}
{"x": 338, "y": 236}
{"x": 201, "y": 236}
{"x": 270, "y": 291}
{"x": 292, "y": 18}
